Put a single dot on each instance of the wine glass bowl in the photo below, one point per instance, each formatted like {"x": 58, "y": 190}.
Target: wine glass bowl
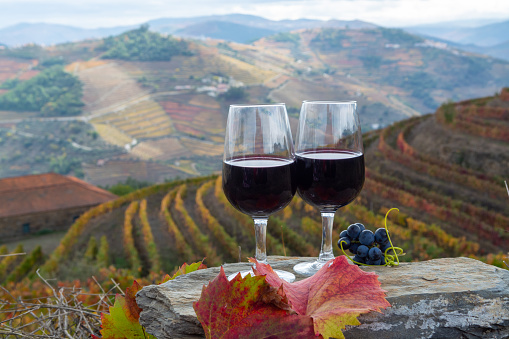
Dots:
{"x": 330, "y": 165}
{"x": 259, "y": 174}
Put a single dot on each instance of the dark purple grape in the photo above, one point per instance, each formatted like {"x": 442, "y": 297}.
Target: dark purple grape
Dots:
{"x": 362, "y": 251}
{"x": 353, "y": 231}
{"x": 381, "y": 236}
{"x": 344, "y": 234}
{"x": 375, "y": 254}
{"x": 384, "y": 247}
{"x": 353, "y": 247}
{"x": 346, "y": 243}
{"x": 377, "y": 262}
{"x": 359, "y": 259}
{"x": 367, "y": 238}
{"x": 361, "y": 226}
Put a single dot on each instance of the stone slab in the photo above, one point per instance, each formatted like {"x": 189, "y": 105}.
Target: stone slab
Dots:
{"x": 440, "y": 298}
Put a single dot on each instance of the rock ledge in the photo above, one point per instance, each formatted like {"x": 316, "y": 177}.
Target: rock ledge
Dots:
{"x": 441, "y": 298}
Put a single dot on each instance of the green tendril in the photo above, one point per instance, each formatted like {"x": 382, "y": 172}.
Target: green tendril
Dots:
{"x": 390, "y": 259}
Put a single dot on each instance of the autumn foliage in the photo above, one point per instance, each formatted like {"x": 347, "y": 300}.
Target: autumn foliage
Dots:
{"x": 266, "y": 306}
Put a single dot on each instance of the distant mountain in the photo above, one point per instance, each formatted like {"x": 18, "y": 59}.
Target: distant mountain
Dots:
{"x": 487, "y": 35}
{"x": 172, "y": 25}
{"x": 225, "y": 31}
{"x": 216, "y": 26}
{"x": 49, "y": 34}
{"x": 499, "y": 51}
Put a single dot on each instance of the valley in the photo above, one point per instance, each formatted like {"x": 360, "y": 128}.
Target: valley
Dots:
{"x": 168, "y": 116}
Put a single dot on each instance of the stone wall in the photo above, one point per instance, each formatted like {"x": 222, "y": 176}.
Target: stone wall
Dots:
{"x": 22, "y": 225}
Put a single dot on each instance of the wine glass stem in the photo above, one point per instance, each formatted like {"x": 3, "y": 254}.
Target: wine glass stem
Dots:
{"x": 326, "y": 252}
{"x": 260, "y": 236}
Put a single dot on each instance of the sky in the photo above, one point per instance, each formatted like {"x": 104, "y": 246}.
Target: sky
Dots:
{"x": 109, "y": 13}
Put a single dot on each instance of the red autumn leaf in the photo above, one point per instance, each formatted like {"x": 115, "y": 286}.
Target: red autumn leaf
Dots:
{"x": 334, "y": 297}
{"x": 246, "y": 308}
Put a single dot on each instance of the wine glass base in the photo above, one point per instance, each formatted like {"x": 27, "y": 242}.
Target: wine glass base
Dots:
{"x": 308, "y": 268}
{"x": 286, "y": 276}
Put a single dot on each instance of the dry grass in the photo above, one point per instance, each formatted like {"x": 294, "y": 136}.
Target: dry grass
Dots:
{"x": 199, "y": 147}
{"x": 112, "y": 135}
{"x": 83, "y": 65}
{"x": 62, "y": 314}
{"x": 186, "y": 166}
{"x": 145, "y": 119}
{"x": 162, "y": 149}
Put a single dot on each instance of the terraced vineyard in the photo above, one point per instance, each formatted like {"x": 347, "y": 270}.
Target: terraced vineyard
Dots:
{"x": 447, "y": 207}
{"x": 106, "y": 85}
{"x": 120, "y": 169}
{"x": 141, "y": 120}
{"x": 16, "y": 68}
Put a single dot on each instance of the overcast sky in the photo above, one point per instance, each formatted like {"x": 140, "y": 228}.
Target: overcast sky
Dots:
{"x": 107, "y": 13}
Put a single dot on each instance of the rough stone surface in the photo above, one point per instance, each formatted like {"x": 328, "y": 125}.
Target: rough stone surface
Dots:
{"x": 441, "y": 298}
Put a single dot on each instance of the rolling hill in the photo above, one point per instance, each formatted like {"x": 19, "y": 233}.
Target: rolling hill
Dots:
{"x": 485, "y": 35}
{"x": 49, "y": 34}
{"x": 162, "y": 115}
{"x": 224, "y": 30}
{"x": 443, "y": 171}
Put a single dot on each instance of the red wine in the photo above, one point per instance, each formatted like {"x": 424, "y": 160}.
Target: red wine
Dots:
{"x": 259, "y": 186}
{"x": 329, "y": 179}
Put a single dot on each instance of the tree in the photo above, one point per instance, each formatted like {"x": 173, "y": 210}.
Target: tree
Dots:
{"x": 234, "y": 94}
{"x": 142, "y": 45}
{"x": 53, "y": 92}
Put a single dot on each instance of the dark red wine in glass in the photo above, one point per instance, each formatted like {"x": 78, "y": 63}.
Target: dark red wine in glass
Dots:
{"x": 259, "y": 168}
{"x": 330, "y": 179}
{"x": 259, "y": 186}
{"x": 330, "y": 165}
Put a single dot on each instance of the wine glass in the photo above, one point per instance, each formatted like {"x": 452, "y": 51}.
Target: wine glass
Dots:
{"x": 259, "y": 167}
{"x": 330, "y": 165}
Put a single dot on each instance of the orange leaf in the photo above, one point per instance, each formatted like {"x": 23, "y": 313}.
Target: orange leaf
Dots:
{"x": 334, "y": 297}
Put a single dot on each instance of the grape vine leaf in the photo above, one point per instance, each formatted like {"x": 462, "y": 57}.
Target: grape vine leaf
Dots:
{"x": 123, "y": 321}
{"x": 248, "y": 308}
{"x": 184, "y": 269}
{"x": 333, "y": 297}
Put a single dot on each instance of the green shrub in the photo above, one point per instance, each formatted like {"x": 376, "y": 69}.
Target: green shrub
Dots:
{"x": 28, "y": 265}
{"x": 142, "y": 45}
{"x": 91, "y": 252}
{"x": 103, "y": 259}
{"x": 53, "y": 92}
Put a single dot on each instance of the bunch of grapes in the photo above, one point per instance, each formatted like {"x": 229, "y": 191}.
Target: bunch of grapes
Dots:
{"x": 368, "y": 247}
